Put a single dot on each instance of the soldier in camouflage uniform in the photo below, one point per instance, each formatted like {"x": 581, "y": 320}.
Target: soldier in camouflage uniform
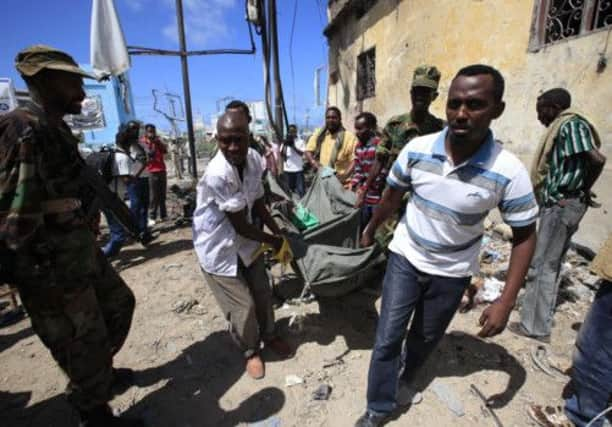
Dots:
{"x": 402, "y": 128}
{"x": 78, "y": 305}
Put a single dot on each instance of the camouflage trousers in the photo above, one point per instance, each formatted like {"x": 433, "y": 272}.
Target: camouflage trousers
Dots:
{"x": 83, "y": 321}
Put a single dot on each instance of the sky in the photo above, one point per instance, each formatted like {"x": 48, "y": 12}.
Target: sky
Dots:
{"x": 210, "y": 24}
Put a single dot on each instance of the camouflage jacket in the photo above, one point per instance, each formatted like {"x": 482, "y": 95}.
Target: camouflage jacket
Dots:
{"x": 400, "y": 129}
{"x": 39, "y": 169}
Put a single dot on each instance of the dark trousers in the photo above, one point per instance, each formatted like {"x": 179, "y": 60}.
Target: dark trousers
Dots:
{"x": 157, "y": 184}
{"x": 138, "y": 192}
{"x": 295, "y": 181}
{"x": 592, "y": 364}
{"x": 433, "y": 300}
{"x": 84, "y": 322}
{"x": 117, "y": 235}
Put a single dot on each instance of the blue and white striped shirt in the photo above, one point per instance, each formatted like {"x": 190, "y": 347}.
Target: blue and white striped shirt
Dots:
{"x": 443, "y": 226}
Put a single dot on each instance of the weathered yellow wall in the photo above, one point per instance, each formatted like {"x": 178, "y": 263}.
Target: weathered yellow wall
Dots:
{"x": 454, "y": 33}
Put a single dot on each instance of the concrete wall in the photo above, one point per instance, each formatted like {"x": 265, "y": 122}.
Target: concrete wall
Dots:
{"x": 456, "y": 33}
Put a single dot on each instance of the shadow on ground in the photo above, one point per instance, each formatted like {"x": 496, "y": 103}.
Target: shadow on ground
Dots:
{"x": 461, "y": 355}
{"x": 193, "y": 384}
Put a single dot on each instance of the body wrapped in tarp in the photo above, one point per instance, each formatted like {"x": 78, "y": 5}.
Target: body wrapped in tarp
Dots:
{"x": 327, "y": 256}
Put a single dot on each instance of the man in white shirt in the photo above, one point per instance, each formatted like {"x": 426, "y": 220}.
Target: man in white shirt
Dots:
{"x": 122, "y": 175}
{"x": 227, "y": 243}
{"x": 292, "y": 153}
{"x": 456, "y": 177}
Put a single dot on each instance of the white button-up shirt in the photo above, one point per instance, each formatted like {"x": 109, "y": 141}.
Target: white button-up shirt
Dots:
{"x": 221, "y": 190}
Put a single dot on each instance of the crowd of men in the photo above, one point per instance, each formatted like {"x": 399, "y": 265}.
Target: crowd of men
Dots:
{"x": 442, "y": 177}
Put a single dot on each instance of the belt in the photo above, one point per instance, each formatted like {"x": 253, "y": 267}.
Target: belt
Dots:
{"x": 58, "y": 206}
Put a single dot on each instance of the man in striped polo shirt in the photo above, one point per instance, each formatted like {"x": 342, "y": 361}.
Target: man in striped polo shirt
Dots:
{"x": 566, "y": 166}
{"x": 456, "y": 177}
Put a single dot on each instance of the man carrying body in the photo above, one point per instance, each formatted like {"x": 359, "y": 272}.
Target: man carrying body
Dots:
{"x": 78, "y": 305}
{"x": 456, "y": 177}
{"x": 227, "y": 243}
{"x": 333, "y": 147}
{"x": 566, "y": 166}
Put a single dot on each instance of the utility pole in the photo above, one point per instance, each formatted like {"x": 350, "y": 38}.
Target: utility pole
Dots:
{"x": 184, "y": 53}
{"x": 186, "y": 88}
{"x": 278, "y": 88}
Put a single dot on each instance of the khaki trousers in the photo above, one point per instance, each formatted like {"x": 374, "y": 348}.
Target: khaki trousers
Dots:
{"x": 246, "y": 303}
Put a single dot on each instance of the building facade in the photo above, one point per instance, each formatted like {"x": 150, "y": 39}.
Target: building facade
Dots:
{"x": 374, "y": 45}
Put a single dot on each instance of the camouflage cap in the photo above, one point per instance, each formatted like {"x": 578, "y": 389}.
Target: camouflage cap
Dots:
{"x": 38, "y": 57}
{"x": 426, "y": 76}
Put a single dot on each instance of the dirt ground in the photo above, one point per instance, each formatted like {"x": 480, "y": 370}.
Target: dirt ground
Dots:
{"x": 190, "y": 374}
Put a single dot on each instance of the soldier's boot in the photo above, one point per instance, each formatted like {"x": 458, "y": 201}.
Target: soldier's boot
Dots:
{"x": 102, "y": 416}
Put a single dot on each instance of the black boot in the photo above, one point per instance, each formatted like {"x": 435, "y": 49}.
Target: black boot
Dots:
{"x": 102, "y": 416}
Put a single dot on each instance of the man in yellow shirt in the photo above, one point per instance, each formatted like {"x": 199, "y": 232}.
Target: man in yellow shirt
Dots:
{"x": 333, "y": 146}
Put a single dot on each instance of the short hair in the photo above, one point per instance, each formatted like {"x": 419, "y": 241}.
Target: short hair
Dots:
{"x": 238, "y": 105}
{"x": 478, "y": 69}
{"x": 369, "y": 118}
{"x": 149, "y": 126}
{"x": 333, "y": 108}
{"x": 292, "y": 125}
{"x": 557, "y": 96}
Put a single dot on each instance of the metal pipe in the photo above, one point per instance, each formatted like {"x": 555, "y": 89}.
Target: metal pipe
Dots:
{"x": 186, "y": 88}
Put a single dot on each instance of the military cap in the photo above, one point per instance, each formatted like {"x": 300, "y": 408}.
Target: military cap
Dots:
{"x": 427, "y": 76}
{"x": 38, "y": 57}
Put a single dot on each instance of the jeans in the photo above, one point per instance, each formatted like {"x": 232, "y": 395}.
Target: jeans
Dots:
{"x": 434, "y": 300}
{"x": 592, "y": 364}
{"x": 138, "y": 192}
{"x": 117, "y": 236}
{"x": 295, "y": 181}
{"x": 556, "y": 227}
{"x": 157, "y": 185}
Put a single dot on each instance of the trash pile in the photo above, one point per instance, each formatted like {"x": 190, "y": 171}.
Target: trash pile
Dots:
{"x": 577, "y": 282}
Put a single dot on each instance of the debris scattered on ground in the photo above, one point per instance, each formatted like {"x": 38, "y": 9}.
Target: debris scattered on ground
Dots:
{"x": 490, "y": 290}
{"x": 184, "y": 305}
{"x": 292, "y": 380}
{"x": 322, "y": 393}
{"x": 448, "y": 397}
{"x": 269, "y": 422}
{"x": 487, "y": 404}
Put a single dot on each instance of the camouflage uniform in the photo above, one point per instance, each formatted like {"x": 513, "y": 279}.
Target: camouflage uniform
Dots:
{"x": 79, "y": 306}
{"x": 401, "y": 129}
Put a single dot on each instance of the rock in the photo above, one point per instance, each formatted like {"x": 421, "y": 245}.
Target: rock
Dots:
{"x": 273, "y": 421}
{"x": 322, "y": 393}
{"x": 448, "y": 397}
{"x": 503, "y": 230}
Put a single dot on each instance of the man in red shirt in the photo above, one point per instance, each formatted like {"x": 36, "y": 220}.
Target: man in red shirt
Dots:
{"x": 157, "y": 171}
{"x": 368, "y": 188}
